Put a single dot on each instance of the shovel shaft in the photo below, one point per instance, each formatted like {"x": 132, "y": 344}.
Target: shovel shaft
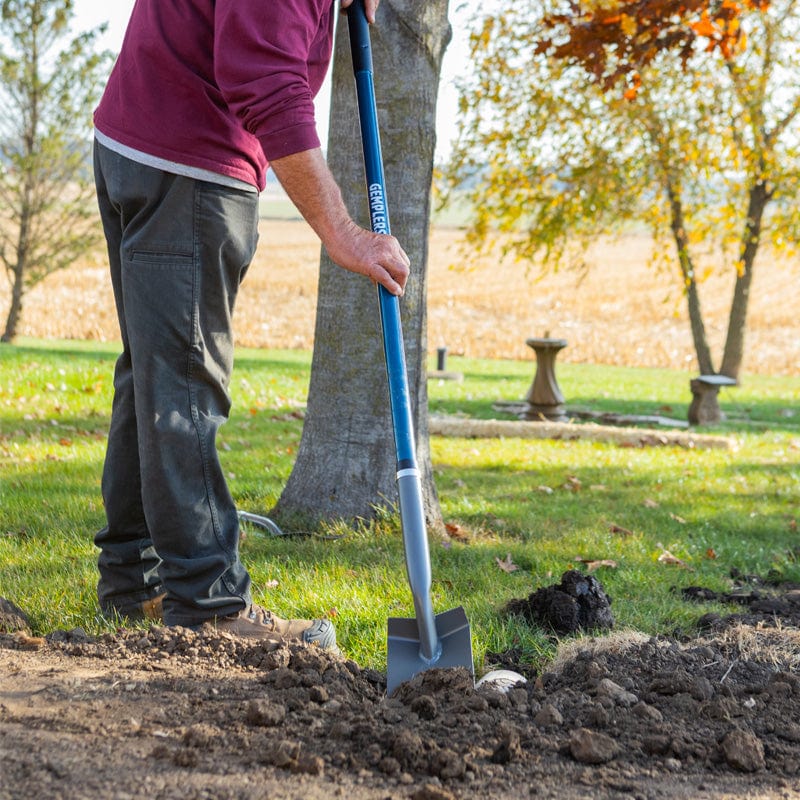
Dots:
{"x": 418, "y": 561}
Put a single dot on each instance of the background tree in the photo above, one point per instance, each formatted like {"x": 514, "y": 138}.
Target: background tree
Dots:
{"x": 49, "y": 82}
{"x": 345, "y": 467}
{"x": 697, "y": 135}
{"x": 615, "y": 39}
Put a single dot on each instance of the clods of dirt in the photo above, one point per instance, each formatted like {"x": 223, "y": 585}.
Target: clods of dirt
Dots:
{"x": 12, "y": 618}
{"x": 577, "y": 603}
{"x": 511, "y": 659}
{"x": 763, "y": 603}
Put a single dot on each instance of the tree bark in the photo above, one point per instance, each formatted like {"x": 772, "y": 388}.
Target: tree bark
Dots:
{"x": 345, "y": 468}
{"x": 703, "y": 351}
{"x": 20, "y": 267}
{"x": 737, "y": 320}
{"x": 15, "y": 309}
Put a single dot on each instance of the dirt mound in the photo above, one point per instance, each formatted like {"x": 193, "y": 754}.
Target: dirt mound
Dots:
{"x": 578, "y": 603}
{"x": 168, "y": 713}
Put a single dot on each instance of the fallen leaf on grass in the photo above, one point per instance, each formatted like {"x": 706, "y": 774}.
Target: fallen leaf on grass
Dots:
{"x": 507, "y": 565}
{"x": 455, "y": 531}
{"x": 273, "y": 584}
{"x": 289, "y": 417}
{"x": 544, "y": 489}
{"x": 592, "y": 564}
{"x": 598, "y": 487}
{"x": 681, "y": 520}
{"x": 573, "y": 483}
{"x": 667, "y": 558}
{"x": 648, "y": 503}
{"x": 711, "y": 553}
{"x": 620, "y": 530}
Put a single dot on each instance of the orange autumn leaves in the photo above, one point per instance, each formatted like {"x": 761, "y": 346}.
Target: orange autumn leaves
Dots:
{"x": 614, "y": 40}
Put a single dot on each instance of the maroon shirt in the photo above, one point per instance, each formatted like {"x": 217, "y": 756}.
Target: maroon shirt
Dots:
{"x": 222, "y": 85}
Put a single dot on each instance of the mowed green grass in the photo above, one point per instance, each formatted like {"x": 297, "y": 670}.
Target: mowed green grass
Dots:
{"x": 541, "y": 506}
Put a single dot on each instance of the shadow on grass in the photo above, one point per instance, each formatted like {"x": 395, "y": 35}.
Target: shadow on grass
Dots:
{"x": 62, "y": 348}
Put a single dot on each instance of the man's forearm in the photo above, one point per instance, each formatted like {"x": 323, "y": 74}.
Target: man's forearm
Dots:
{"x": 307, "y": 180}
{"x": 310, "y": 185}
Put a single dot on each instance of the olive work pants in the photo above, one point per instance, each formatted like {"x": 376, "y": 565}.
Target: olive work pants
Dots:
{"x": 178, "y": 250}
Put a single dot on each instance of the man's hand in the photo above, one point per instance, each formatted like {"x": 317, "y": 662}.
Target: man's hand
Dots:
{"x": 308, "y": 182}
{"x": 375, "y": 255}
{"x": 371, "y": 7}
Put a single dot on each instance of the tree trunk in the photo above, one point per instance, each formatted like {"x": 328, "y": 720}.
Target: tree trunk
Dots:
{"x": 734, "y": 341}
{"x": 345, "y": 466}
{"x": 704, "y": 358}
{"x": 15, "y": 310}
{"x": 20, "y": 267}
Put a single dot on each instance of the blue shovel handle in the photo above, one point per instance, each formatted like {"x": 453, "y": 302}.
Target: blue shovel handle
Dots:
{"x": 394, "y": 353}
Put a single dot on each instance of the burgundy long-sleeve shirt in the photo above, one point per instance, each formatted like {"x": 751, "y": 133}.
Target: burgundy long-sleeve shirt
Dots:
{"x": 220, "y": 85}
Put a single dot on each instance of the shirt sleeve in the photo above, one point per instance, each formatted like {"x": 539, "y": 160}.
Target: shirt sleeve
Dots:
{"x": 262, "y": 52}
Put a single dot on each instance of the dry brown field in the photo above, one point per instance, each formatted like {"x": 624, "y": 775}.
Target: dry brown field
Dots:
{"x": 621, "y": 311}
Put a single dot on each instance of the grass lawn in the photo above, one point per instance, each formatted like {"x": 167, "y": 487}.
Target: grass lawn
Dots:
{"x": 545, "y": 504}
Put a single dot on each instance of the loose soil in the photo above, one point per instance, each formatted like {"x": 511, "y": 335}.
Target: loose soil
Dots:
{"x": 170, "y": 713}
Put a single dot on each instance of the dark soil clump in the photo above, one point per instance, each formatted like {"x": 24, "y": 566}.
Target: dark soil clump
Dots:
{"x": 578, "y": 603}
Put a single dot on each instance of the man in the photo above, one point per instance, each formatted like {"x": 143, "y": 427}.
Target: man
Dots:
{"x": 204, "y": 95}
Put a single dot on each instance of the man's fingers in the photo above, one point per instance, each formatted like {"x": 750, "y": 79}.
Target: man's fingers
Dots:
{"x": 391, "y": 267}
{"x": 398, "y": 264}
{"x": 377, "y": 255}
{"x": 370, "y": 6}
{"x": 385, "y": 279}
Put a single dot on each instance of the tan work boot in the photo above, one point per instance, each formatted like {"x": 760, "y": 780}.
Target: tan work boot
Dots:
{"x": 153, "y": 609}
{"x": 256, "y": 622}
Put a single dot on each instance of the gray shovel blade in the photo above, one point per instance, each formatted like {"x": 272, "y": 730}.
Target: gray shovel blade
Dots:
{"x": 404, "y": 659}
